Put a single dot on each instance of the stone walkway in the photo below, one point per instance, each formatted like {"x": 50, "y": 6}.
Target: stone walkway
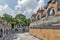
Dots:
{"x": 21, "y": 36}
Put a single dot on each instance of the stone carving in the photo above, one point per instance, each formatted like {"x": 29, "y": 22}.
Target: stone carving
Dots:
{"x": 52, "y": 4}
{"x": 46, "y": 19}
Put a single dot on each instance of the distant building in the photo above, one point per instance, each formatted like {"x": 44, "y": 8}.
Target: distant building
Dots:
{"x": 4, "y": 28}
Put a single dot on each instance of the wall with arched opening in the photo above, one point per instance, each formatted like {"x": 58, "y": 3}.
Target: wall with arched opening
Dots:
{"x": 52, "y": 5}
{"x": 51, "y": 12}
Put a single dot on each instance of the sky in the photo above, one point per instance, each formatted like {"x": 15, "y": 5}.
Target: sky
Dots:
{"x": 26, "y": 7}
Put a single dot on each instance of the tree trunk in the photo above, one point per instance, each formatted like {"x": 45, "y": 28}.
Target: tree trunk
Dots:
{"x": 12, "y": 26}
{"x": 19, "y": 26}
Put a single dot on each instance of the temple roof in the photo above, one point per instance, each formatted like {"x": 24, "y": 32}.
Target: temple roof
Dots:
{"x": 50, "y": 1}
{"x": 34, "y": 15}
{"x": 40, "y": 10}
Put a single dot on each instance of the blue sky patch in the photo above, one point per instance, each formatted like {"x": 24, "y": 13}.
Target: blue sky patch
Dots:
{"x": 26, "y": 7}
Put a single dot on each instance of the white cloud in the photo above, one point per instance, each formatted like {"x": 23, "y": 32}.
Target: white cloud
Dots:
{"x": 27, "y": 7}
{"x": 41, "y": 3}
{"x": 5, "y": 9}
{"x": 5, "y": 6}
{"x": 28, "y": 12}
{"x": 1, "y": 7}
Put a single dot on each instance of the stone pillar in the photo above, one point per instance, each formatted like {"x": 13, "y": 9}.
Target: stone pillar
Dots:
{"x": 46, "y": 14}
{"x": 56, "y": 9}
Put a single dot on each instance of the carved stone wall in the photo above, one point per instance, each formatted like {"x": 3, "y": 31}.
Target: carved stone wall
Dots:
{"x": 52, "y": 5}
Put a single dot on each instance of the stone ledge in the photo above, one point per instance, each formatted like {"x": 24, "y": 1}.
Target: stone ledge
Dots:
{"x": 47, "y": 26}
{"x": 51, "y": 21}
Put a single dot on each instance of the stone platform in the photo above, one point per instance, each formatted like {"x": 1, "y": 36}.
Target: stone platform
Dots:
{"x": 47, "y": 29}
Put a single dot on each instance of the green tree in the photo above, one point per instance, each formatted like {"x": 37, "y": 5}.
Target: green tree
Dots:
{"x": 27, "y": 22}
{"x": 9, "y": 19}
{"x": 20, "y": 18}
{"x": 6, "y": 17}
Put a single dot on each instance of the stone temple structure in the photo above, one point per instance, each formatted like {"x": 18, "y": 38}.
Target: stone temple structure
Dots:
{"x": 4, "y": 29}
{"x": 45, "y": 24}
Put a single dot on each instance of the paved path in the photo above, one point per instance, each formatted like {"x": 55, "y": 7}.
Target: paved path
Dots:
{"x": 21, "y": 36}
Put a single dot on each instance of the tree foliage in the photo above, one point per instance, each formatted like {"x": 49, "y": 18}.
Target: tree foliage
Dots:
{"x": 19, "y": 19}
